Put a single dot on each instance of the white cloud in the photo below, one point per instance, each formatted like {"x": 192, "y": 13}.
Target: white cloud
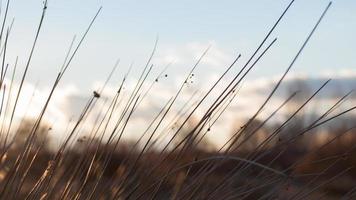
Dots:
{"x": 68, "y": 101}
{"x": 191, "y": 52}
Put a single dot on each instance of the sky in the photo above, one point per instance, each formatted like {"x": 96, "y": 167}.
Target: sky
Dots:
{"x": 127, "y": 30}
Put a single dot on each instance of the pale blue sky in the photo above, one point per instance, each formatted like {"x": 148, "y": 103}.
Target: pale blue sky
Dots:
{"x": 127, "y": 30}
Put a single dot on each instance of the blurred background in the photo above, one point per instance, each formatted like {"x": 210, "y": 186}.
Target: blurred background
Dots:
{"x": 176, "y": 34}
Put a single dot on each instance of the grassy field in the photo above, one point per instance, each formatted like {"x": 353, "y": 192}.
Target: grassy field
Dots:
{"x": 173, "y": 158}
